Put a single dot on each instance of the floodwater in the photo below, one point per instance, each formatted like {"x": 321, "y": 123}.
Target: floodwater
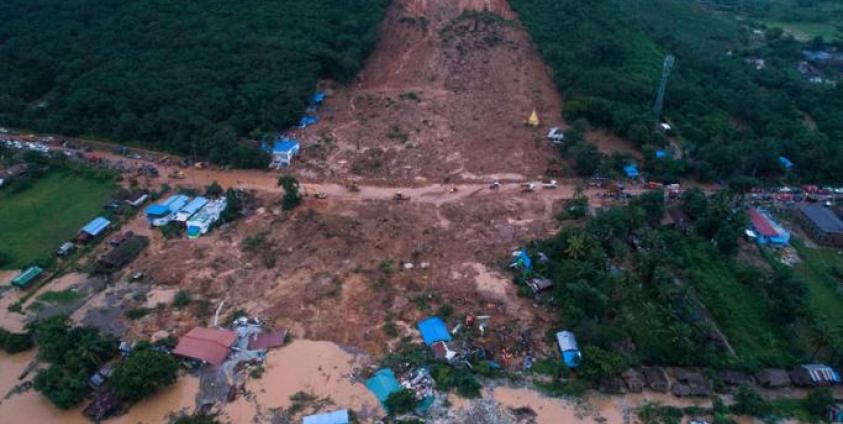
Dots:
{"x": 32, "y": 407}
{"x": 319, "y": 368}
{"x": 552, "y": 410}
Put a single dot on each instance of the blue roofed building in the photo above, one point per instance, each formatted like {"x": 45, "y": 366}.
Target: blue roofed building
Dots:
{"x": 162, "y": 213}
{"x": 661, "y": 154}
{"x": 335, "y": 417}
{"x": 308, "y": 120}
{"x": 570, "y": 349}
{"x": 631, "y": 170}
{"x": 434, "y": 330}
{"x": 785, "y": 163}
{"x": 191, "y": 208}
{"x": 283, "y": 152}
{"x": 383, "y": 384}
{"x": 317, "y": 98}
{"x": 93, "y": 228}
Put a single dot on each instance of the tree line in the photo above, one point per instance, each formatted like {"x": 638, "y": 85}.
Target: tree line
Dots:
{"x": 188, "y": 77}
{"x": 732, "y": 119}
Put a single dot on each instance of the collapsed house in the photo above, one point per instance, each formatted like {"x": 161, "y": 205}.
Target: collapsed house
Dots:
{"x": 207, "y": 345}
{"x": 539, "y": 284}
{"x": 435, "y": 334}
{"x": 283, "y": 151}
{"x": 121, "y": 255}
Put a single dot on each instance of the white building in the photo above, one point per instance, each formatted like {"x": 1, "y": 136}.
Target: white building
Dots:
{"x": 202, "y": 221}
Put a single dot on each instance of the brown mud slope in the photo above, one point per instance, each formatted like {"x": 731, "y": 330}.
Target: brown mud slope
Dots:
{"x": 339, "y": 271}
{"x": 445, "y": 94}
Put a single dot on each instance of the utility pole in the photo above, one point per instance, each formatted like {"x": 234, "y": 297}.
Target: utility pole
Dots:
{"x": 666, "y": 68}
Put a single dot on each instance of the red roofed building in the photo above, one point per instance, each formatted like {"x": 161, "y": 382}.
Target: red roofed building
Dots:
{"x": 767, "y": 230}
{"x": 206, "y": 344}
{"x": 267, "y": 340}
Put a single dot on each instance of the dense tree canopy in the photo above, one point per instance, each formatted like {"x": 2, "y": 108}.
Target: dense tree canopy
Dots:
{"x": 143, "y": 372}
{"x": 74, "y": 353}
{"x": 176, "y": 74}
{"x": 732, "y": 119}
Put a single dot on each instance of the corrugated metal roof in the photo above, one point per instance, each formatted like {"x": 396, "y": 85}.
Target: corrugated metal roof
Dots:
{"x": 206, "y": 344}
{"x": 383, "y": 384}
{"x": 96, "y": 226}
{"x": 433, "y": 330}
{"x": 285, "y": 146}
{"x": 179, "y": 202}
{"x": 194, "y": 205}
{"x": 335, "y": 417}
{"x": 567, "y": 341}
{"x": 761, "y": 223}
{"x": 267, "y": 339}
{"x": 821, "y": 373}
{"x": 822, "y": 217}
{"x": 27, "y": 276}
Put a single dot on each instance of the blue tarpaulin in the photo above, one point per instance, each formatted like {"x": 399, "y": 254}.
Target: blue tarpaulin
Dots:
{"x": 317, "y": 98}
{"x": 285, "y": 145}
{"x": 523, "y": 260}
{"x": 434, "y": 330}
{"x": 785, "y": 162}
{"x": 308, "y": 120}
{"x": 336, "y": 417}
{"x": 631, "y": 170}
{"x": 661, "y": 154}
{"x": 383, "y": 384}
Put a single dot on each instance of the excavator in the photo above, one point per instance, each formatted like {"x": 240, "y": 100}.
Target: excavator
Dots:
{"x": 352, "y": 186}
{"x": 177, "y": 174}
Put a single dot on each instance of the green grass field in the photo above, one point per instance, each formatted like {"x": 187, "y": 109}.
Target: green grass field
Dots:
{"x": 816, "y": 269}
{"x": 807, "y": 31}
{"x": 35, "y": 221}
{"x": 741, "y": 315}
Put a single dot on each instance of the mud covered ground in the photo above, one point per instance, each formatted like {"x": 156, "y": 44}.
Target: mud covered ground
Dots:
{"x": 341, "y": 270}
{"x": 444, "y": 95}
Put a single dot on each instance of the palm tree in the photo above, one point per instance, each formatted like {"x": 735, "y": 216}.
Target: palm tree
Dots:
{"x": 575, "y": 248}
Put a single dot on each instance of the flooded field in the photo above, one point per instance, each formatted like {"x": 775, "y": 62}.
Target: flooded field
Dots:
{"x": 321, "y": 369}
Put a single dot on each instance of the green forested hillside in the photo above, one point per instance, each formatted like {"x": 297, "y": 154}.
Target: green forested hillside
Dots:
{"x": 733, "y": 120}
{"x": 174, "y": 72}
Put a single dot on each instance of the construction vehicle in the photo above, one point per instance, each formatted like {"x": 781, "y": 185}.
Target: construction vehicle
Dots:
{"x": 352, "y": 186}
{"x": 177, "y": 174}
{"x": 550, "y": 184}
{"x": 199, "y": 165}
{"x": 320, "y": 195}
{"x": 400, "y": 197}
{"x": 528, "y": 188}
{"x": 495, "y": 185}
